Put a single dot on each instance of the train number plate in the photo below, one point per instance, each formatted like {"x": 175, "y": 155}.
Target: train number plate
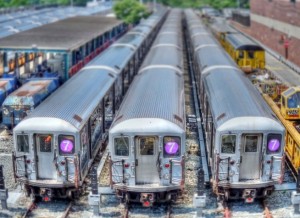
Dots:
{"x": 292, "y": 112}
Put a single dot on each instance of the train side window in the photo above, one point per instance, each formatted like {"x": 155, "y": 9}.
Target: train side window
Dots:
{"x": 274, "y": 143}
{"x": 171, "y": 146}
{"x": 228, "y": 144}
{"x": 23, "y": 143}
{"x": 66, "y": 144}
{"x": 121, "y": 146}
{"x": 45, "y": 142}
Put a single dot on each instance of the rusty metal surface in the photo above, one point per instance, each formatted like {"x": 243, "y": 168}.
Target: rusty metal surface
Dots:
{"x": 66, "y": 34}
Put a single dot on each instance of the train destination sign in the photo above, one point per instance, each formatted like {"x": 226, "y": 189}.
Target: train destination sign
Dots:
{"x": 171, "y": 147}
{"x": 66, "y": 146}
{"x": 273, "y": 145}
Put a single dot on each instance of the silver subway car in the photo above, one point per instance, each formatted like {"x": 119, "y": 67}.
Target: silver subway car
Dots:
{"x": 57, "y": 143}
{"x": 244, "y": 139}
{"x": 147, "y": 137}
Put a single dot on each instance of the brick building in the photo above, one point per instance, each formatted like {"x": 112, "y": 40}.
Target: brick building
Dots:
{"x": 276, "y": 23}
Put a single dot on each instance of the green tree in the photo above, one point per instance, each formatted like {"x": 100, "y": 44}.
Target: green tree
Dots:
{"x": 130, "y": 11}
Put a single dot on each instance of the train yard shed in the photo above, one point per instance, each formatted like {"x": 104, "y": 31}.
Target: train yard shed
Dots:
{"x": 62, "y": 47}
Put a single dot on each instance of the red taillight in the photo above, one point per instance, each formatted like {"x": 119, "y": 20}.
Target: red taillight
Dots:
{"x": 28, "y": 161}
{"x": 126, "y": 165}
{"x": 46, "y": 198}
{"x": 62, "y": 163}
{"x": 167, "y": 165}
{"x": 146, "y": 203}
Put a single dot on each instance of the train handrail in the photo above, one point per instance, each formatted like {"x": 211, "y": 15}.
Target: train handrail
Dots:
{"x": 158, "y": 165}
{"x": 111, "y": 170}
{"x": 15, "y": 168}
{"x": 219, "y": 160}
{"x": 178, "y": 163}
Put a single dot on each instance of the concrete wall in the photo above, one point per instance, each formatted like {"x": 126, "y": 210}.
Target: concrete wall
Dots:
{"x": 274, "y": 22}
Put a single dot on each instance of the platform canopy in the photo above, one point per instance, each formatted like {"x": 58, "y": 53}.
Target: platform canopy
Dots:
{"x": 64, "y": 35}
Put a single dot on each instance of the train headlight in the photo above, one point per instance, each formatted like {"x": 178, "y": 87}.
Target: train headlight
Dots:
{"x": 5, "y": 111}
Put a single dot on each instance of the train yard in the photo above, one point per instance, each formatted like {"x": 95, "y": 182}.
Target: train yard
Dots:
{"x": 143, "y": 169}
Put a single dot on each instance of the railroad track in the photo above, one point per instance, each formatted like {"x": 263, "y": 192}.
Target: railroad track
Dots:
{"x": 46, "y": 209}
{"x": 261, "y": 209}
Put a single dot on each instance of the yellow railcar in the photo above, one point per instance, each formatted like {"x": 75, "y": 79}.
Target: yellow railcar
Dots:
{"x": 246, "y": 53}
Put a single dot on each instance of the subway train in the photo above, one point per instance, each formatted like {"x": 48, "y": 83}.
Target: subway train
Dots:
{"x": 22, "y": 101}
{"x": 247, "y": 54}
{"x": 147, "y": 136}
{"x": 56, "y": 144}
{"x": 244, "y": 139}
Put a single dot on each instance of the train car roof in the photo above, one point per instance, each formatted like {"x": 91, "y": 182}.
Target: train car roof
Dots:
{"x": 203, "y": 40}
{"x": 221, "y": 26}
{"x": 74, "y": 101}
{"x": 31, "y": 88}
{"x": 165, "y": 55}
{"x": 211, "y": 56}
{"x": 241, "y": 42}
{"x": 231, "y": 96}
{"x": 156, "y": 93}
{"x": 31, "y": 92}
{"x": 122, "y": 50}
{"x": 168, "y": 38}
{"x": 65, "y": 34}
{"x": 198, "y": 30}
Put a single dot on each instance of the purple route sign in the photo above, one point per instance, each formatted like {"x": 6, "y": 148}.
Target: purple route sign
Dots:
{"x": 66, "y": 146}
{"x": 171, "y": 147}
{"x": 273, "y": 145}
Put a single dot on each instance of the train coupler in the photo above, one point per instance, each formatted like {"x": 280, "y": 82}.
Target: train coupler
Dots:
{"x": 249, "y": 195}
{"x": 46, "y": 194}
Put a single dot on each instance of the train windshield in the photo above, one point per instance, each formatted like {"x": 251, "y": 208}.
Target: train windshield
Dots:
{"x": 274, "y": 143}
{"x": 23, "y": 143}
{"x": 66, "y": 144}
{"x": 171, "y": 146}
{"x": 228, "y": 144}
{"x": 45, "y": 143}
{"x": 121, "y": 146}
{"x": 294, "y": 100}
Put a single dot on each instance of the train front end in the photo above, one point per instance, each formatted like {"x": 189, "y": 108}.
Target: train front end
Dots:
{"x": 147, "y": 160}
{"x": 249, "y": 160}
{"x": 45, "y": 160}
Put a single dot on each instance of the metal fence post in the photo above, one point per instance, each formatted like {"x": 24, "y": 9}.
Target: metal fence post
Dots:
{"x": 296, "y": 197}
{"x": 3, "y": 190}
{"x": 199, "y": 199}
{"x": 94, "y": 197}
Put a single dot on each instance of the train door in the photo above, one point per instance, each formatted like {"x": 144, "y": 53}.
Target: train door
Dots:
{"x": 250, "y": 156}
{"x": 146, "y": 156}
{"x": 44, "y": 152}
